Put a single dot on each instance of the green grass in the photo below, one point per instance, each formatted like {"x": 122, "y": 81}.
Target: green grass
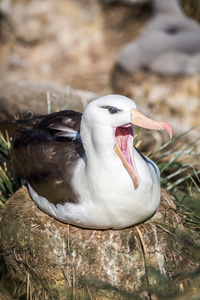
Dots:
{"x": 180, "y": 177}
{"x": 6, "y": 186}
{"x": 9, "y": 180}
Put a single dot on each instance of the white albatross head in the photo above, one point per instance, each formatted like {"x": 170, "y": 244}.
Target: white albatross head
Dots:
{"x": 109, "y": 121}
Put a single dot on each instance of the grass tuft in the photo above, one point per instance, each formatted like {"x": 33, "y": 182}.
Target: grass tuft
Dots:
{"x": 180, "y": 177}
{"x": 9, "y": 180}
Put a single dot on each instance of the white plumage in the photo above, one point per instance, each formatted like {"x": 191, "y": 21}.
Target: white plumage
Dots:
{"x": 108, "y": 193}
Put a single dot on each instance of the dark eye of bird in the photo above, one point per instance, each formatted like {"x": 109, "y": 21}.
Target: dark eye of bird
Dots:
{"x": 112, "y": 110}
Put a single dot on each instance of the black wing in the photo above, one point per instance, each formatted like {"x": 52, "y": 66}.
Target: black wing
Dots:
{"x": 47, "y": 149}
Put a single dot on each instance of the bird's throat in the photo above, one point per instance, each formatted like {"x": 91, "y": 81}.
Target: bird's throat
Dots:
{"x": 124, "y": 149}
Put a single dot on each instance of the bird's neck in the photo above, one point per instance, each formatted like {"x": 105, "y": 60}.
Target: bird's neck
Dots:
{"x": 167, "y": 7}
{"x": 98, "y": 144}
{"x": 101, "y": 165}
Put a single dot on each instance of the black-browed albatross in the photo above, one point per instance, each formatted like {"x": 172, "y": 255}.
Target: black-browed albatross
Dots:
{"x": 83, "y": 169}
{"x": 168, "y": 45}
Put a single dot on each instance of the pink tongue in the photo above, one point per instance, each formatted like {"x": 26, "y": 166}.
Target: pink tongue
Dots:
{"x": 124, "y": 139}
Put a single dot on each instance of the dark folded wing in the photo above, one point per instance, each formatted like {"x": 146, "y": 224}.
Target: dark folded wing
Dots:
{"x": 47, "y": 149}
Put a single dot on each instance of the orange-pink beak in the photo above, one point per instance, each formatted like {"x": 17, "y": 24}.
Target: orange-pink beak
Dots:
{"x": 140, "y": 120}
{"x": 124, "y": 141}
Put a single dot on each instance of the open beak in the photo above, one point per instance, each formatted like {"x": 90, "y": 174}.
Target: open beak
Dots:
{"x": 124, "y": 141}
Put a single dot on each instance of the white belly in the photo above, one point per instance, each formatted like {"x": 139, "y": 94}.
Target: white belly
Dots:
{"x": 108, "y": 199}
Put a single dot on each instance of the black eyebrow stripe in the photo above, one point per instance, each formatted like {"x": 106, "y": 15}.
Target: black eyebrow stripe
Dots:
{"x": 108, "y": 106}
